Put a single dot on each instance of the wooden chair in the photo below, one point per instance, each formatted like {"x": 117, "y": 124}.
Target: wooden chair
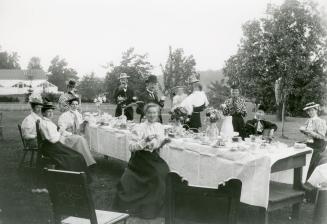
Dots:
{"x": 1, "y": 127}
{"x": 70, "y": 196}
{"x": 26, "y": 149}
{"x": 199, "y": 204}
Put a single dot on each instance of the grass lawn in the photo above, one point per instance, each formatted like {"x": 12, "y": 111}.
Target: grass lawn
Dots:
{"x": 19, "y": 205}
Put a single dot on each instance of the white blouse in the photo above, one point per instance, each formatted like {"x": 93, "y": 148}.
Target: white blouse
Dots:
{"x": 50, "y": 131}
{"x": 141, "y": 131}
{"x": 29, "y": 127}
{"x": 70, "y": 121}
{"x": 195, "y": 99}
{"x": 317, "y": 125}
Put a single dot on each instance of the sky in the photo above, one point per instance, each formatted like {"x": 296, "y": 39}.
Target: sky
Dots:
{"x": 92, "y": 33}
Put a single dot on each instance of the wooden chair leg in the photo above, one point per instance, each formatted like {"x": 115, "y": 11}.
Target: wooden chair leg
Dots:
{"x": 296, "y": 211}
{"x": 22, "y": 160}
{"x": 32, "y": 158}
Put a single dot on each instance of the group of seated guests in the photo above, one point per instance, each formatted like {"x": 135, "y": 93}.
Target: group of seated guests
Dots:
{"x": 63, "y": 144}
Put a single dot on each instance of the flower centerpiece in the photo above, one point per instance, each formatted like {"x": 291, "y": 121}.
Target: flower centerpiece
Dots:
{"x": 98, "y": 101}
{"x": 179, "y": 117}
{"x": 212, "y": 116}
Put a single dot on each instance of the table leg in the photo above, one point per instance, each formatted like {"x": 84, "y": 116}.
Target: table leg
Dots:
{"x": 297, "y": 184}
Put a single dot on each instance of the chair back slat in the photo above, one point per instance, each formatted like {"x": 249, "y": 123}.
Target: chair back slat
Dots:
{"x": 21, "y": 136}
{"x": 70, "y": 194}
{"x": 200, "y": 204}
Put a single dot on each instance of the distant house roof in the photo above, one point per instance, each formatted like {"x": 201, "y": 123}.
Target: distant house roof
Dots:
{"x": 17, "y": 74}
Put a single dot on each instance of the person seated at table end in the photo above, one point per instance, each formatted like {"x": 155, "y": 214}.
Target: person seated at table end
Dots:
{"x": 64, "y": 157}
{"x": 141, "y": 189}
{"x": 28, "y": 124}
{"x": 315, "y": 129}
{"x": 257, "y": 125}
{"x": 72, "y": 120}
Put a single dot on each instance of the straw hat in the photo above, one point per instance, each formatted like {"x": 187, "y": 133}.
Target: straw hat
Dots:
{"x": 311, "y": 105}
{"x": 35, "y": 100}
{"x": 72, "y": 99}
{"x": 192, "y": 79}
{"x": 123, "y": 76}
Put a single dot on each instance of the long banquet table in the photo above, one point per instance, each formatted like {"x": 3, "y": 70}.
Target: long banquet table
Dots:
{"x": 203, "y": 165}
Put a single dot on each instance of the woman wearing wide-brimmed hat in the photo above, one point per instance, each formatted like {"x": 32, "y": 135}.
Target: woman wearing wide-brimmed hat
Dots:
{"x": 315, "y": 129}
{"x": 28, "y": 124}
{"x": 71, "y": 93}
{"x": 65, "y": 158}
{"x": 195, "y": 103}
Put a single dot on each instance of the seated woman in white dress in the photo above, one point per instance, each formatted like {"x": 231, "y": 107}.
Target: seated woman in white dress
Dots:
{"x": 54, "y": 144}
{"x": 28, "y": 124}
{"x": 72, "y": 120}
{"x": 195, "y": 103}
{"x": 75, "y": 142}
{"x": 141, "y": 190}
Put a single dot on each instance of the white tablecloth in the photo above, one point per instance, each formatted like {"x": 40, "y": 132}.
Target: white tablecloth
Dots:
{"x": 207, "y": 166}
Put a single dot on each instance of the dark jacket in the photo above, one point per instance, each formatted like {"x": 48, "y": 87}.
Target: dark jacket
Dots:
{"x": 251, "y": 126}
{"x": 129, "y": 94}
{"x": 147, "y": 98}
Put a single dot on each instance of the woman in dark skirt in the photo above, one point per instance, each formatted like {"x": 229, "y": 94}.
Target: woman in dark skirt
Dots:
{"x": 64, "y": 157}
{"x": 235, "y": 107}
{"x": 141, "y": 189}
{"x": 315, "y": 129}
{"x": 195, "y": 103}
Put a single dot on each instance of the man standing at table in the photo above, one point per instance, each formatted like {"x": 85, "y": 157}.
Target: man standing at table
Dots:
{"x": 123, "y": 97}
{"x": 150, "y": 95}
{"x": 235, "y": 107}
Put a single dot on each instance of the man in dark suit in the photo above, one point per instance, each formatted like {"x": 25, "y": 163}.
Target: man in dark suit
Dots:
{"x": 150, "y": 95}
{"x": 123, "y": 97}
{"x": 257, "y": 125}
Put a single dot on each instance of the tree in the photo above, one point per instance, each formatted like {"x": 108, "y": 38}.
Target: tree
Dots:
{"x": 134, "y": 65}
{"x": 290, "y": 43}
{"x": 178, "y": 69}
{"x": 60, "y": 73}
{"x": 34, "y": 63}
{"x": 217, "y": 93}
{"x": 9, "y": 60}
{"x": 89, "y": 87}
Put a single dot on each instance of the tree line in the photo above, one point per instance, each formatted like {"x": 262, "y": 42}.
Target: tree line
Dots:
{"x": 289, "y": 44}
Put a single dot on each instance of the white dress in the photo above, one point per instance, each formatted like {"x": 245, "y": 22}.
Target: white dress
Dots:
{"x": 70, "y": 121}
{"x": 75, "y": 142}
{"x": 195, "y": 99}
{"x": 227, "y": 129}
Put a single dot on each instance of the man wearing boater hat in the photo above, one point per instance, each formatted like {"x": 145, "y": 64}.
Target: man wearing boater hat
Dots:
{"x": 235, "y": 107}
{"x": 71, "y": 93}
{"x": 150, "y": 96}
{"x": 124, "y": 96}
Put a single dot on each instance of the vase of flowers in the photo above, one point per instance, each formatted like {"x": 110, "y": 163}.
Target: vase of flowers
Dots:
{"x": 98, "y": 101}
{"x": 179, "y": 117}
{"x": 212, "y": 116}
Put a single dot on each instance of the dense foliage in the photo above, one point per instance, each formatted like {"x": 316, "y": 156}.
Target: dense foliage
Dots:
{"x": 291, "y": 44}
{"x": 134, "y": 65}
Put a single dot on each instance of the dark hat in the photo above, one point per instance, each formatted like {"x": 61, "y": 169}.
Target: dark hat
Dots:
{"x": 71, "y": 83}
{"x": 262, "y": 107}
{"x": 72, "y": 99}
{"x": 151, "y": 79}
{"x": 235, "y": 84}
{"x": 48, "y": 105}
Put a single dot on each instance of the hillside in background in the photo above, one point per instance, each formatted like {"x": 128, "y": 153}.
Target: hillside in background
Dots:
{"x": 206, "y": 77}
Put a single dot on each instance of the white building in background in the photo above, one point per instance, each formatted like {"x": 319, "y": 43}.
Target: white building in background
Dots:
{"x": 16, "y": 83}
